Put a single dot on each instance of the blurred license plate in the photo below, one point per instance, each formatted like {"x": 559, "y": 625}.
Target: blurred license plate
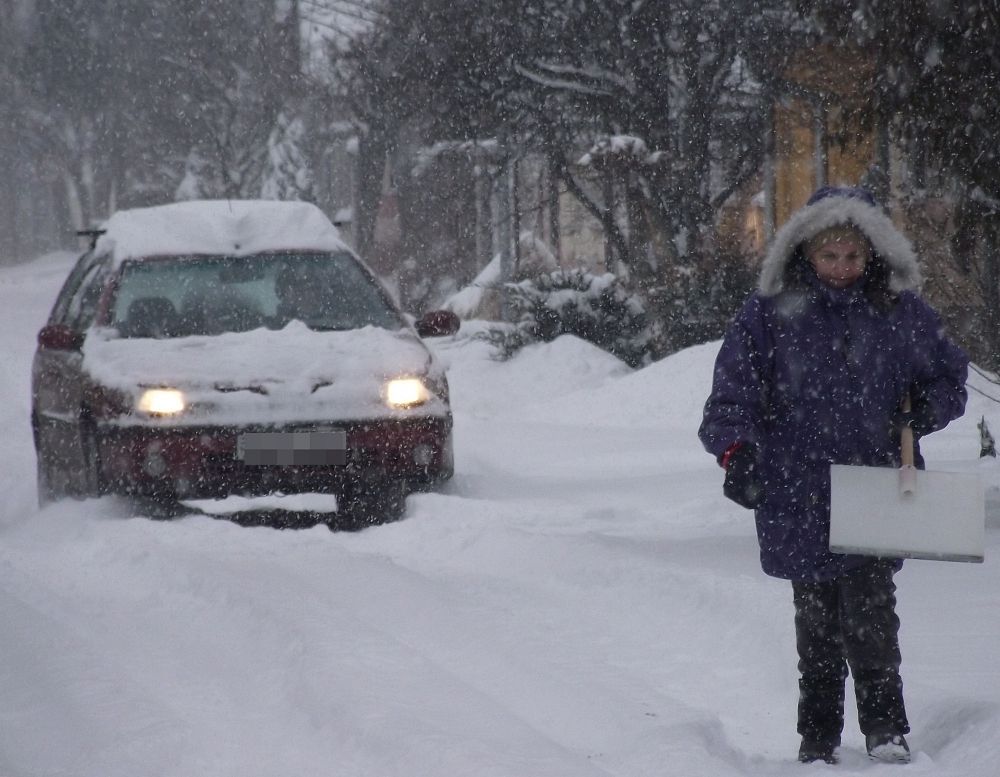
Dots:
{"x": 317, "y": 448}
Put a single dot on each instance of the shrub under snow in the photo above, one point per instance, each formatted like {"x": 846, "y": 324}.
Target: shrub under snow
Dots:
{"x": 596, "y": 308}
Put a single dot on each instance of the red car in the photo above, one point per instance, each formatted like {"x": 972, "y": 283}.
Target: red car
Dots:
{"x": 205, "y": 349}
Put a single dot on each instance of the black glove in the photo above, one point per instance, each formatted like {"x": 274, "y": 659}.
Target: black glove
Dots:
{"x": 743, "y": 484}
{"x": 920, "y": 418}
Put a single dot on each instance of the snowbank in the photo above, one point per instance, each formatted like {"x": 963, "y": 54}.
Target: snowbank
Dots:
{"x": 580, "y": 602}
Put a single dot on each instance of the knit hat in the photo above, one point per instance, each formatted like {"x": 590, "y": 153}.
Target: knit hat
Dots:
{"x": 851, "y": 192}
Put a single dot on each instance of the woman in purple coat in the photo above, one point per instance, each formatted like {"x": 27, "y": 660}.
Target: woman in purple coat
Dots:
{"x": 813, "y": 371}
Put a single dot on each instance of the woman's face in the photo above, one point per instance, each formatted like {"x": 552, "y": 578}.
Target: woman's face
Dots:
{"x": 840, "y": 261}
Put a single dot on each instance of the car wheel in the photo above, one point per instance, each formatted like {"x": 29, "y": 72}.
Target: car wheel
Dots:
{"x": 369, "y": 504}
{"x": 91, "y": 484}
{"x": 51, "y": 481}
{"x": 48, "y": 492}
{"x": 158, "y": 508}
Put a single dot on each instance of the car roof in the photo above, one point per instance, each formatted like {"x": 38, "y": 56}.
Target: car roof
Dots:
{"x": 217, "y": 227}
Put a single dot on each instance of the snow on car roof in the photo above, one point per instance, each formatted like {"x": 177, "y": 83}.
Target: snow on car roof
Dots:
{"x": 230, "y": 227}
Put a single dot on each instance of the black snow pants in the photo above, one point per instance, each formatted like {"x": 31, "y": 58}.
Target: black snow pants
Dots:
{"x": 849, "y": 622}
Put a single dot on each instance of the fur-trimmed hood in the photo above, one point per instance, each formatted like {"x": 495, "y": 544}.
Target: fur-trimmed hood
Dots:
{"x": 890, "y": 245}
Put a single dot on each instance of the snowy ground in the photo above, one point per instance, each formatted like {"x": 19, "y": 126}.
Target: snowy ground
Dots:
{"x": 581, "y": 601}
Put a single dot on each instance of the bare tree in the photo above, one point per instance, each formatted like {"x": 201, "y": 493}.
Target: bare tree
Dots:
{"x": 938, "y": 98}
{"x": 656, "y": 98}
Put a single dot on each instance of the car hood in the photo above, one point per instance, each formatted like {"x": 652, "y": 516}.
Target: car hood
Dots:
{"x": 265, "y": 377}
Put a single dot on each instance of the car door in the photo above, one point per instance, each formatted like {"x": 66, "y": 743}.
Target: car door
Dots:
{"x": 57, "y": 378}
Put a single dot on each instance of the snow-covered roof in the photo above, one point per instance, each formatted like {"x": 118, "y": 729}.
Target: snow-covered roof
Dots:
{"x": 229, "y": 227}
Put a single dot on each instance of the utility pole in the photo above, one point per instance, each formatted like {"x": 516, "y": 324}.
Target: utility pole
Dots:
{"x": 483, "y": 166}
{"x": 770, "y": 184}
{"x": 821, "y": 156}
{"x": 505, "y": 222}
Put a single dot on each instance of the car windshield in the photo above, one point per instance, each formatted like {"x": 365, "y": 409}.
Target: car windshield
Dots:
{"x": 209, "y": 295}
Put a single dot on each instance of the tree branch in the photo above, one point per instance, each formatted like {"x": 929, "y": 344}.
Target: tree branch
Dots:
{"x": 604, "y": 215}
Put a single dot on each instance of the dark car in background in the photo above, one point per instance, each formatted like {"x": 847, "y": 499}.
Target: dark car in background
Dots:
{"x": 207, "y": 349}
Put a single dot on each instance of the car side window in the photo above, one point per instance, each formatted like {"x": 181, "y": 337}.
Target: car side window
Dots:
{"x": 83, "y": 304}
{"x": 77, "y": 301}
{"x": 80, "y": 271}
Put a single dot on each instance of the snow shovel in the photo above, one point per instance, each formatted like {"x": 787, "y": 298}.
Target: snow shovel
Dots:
{"x": 907, "y": 513}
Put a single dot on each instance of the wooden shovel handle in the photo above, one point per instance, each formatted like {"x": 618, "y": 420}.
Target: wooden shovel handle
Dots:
{"x": 906, "y": 438}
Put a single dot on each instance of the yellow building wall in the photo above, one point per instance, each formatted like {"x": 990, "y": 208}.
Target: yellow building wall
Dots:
{"x": 839, "y": 77}
{"x": 849, "y": 162}
{"x": 794, "y": 164}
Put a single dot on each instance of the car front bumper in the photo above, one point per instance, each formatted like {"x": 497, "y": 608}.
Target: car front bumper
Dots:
{"x": 204, "y": 462}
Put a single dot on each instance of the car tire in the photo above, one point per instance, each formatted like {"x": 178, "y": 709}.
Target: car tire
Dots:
{"x": 51, "y": 483}
{"x": 369, "y": 504}
{"x": 158, "y": 508}
{"x": 47, "y": 491}
{"x": 91, "y": 483}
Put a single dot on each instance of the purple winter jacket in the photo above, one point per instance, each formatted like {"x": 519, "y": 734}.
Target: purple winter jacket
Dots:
{"x": 812, "y": 375}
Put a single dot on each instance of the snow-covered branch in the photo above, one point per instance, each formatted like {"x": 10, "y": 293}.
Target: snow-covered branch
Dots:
{"x": 592, "y": 73}
{"x": 561, "y": 84}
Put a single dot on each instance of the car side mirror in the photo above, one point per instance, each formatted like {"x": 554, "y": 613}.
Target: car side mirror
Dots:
{"x": 58, "y": 337}
{"x": 438, "y": 323}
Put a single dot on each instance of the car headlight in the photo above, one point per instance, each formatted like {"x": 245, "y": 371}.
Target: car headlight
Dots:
{"x": 162, "y": 401}
{"x": 406, "y": 392}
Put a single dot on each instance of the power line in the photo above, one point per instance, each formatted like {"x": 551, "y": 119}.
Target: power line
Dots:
{"x": 989, "y": 376}
{"x": 983, "y": 393}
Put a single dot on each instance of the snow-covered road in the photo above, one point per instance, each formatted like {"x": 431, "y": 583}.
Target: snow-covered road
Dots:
{"x": 580, "y": 601}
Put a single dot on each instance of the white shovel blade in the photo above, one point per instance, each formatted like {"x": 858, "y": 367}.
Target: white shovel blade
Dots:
{"x": 942, "y": 518}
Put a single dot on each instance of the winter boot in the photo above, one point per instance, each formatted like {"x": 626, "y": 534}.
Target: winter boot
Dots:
{"x": 823, "y": 749}
{"x": 888, "y": 748}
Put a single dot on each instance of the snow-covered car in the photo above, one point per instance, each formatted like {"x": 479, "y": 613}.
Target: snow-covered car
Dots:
{"x": 206, "y": 349}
